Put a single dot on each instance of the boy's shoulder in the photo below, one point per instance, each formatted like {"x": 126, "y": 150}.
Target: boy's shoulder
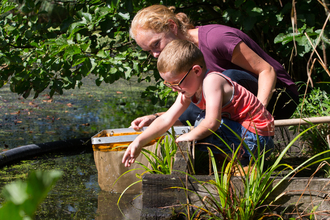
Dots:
{"x": 215, "y": 75}
{"x": 215, "y": 78}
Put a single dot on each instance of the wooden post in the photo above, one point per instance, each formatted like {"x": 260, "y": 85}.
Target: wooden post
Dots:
{"x": 301, "y": 121}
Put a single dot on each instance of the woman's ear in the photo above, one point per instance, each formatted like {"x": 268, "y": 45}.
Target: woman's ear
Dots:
{"x": 173, "y": 27}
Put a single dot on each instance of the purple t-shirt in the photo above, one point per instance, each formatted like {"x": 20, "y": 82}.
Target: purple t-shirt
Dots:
{"x": 217, "y": 43}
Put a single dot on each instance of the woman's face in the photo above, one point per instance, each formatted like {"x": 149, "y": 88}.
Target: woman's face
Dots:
{"x": 153, "y": 42}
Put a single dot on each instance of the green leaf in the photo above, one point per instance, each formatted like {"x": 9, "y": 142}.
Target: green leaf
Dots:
{"x": 10, "y": 211}
{"x": 85, "y": 69}
{"x": 78, "y": 61}
{"x": 85, "y": 47}
{"x": 71, "y": 50}
{"x": 28, "y": 34}
{"x": 249, "y": 23}
{"x": 256, "y": 11}
{"x": 98, "y": 81}
{"x": 128, "y": 72}
{"x": 113, "y": 70}
{"x": 285, "y": 38}
{"x": 77, "y": 26}
{"x": 125, "y": 16}
{"x": 23, "y": 198}
{"x": 16, "y": 192}
{"x": 61, "y": 41}
{"x": 102, "y": 54}
{"x": 7, "y": 6}
{"x": 87, "y": 16}
{"x": 238, "y": 3}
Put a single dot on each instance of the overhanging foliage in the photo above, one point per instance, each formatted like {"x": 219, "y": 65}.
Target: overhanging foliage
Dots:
{"x": 55, "y": 45}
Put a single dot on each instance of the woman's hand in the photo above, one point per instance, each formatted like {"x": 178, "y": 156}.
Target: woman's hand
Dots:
{"x": 143, "y": 121}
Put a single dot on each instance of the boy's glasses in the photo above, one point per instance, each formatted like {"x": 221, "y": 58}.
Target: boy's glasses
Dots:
{"x": 177, "y": 85}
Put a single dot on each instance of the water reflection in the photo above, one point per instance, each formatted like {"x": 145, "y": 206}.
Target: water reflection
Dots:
{"x": 130, "y": 205}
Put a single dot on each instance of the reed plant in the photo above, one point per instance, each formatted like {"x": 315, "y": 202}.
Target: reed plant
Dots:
{"x": 224, "y": 201}
{"x": 161, "y": 161}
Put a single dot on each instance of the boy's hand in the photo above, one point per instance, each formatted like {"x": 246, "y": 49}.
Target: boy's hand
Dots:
{"x": 143, "y": 121}
{"x": 131, "y": 153}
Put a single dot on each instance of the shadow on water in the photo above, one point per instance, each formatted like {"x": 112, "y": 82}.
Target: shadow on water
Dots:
{"x": 79, "y": 113}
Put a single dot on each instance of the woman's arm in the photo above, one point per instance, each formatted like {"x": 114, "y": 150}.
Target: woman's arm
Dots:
{"x": 246, "y": 58}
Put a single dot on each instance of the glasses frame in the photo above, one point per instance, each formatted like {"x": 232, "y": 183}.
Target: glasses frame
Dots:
{"x": 177, "y": 85}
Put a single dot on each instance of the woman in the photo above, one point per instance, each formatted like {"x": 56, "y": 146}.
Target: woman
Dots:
{"x": 224, "y": 48}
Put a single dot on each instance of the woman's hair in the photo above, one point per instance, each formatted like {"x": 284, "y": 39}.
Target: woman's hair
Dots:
{"x": 179, "y": 56}
{"x": 156, "y": 18}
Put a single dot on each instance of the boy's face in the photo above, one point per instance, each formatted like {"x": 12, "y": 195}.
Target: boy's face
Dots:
{"x": 177, "y": 86}
{"x": 185, "y": 82}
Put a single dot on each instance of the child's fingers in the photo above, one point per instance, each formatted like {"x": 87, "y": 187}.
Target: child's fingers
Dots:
{"x": 130, "y": 155}
{"x": 129, "y": 161}
{"x": 126, "y": 156}
{"x": 132, "y": 160}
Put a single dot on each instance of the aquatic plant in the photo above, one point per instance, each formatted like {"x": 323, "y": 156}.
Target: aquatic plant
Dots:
{"x": 248, "y": 203}
{"x": 160, "y": 161}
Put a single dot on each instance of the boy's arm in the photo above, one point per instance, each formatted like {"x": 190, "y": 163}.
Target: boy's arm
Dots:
{"x": 156, "y": 129}
{"x": 216, "y": 88}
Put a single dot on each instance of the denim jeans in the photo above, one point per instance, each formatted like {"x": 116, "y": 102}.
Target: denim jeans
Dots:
{"x": 229, "y": 138}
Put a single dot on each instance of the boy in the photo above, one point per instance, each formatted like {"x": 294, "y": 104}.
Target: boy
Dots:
{"x": 181, "y": 64}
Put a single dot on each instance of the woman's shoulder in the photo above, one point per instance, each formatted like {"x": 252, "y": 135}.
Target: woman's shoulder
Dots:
{"x": 210, "y": 35}
{"x": 218, "y": 28}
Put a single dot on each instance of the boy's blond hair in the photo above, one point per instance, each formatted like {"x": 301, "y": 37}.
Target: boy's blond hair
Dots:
{"x": 179, "y": 56}
{"x": 156, "y": 18}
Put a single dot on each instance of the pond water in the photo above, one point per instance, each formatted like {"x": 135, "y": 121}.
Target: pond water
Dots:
{"x": 77, "y": 195}
{"x": 77, "y": 113}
